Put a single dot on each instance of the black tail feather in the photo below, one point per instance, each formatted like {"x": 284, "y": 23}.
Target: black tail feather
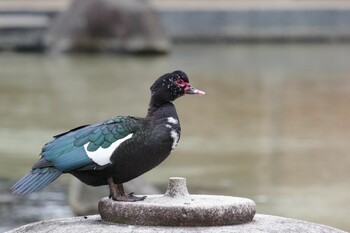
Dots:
{"x": 35, "y": 180}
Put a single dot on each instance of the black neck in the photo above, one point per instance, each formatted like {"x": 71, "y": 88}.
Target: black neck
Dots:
{"x": 159, "y": 109}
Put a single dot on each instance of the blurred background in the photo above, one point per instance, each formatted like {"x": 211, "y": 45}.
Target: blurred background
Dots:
{"x": 274, "y": 125}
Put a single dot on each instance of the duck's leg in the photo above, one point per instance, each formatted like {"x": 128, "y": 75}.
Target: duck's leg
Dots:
{"x": 117, "y": 192}
{"x": 113, "y": 191}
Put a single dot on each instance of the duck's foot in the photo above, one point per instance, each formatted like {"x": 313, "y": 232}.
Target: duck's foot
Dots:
{"x": 117, "y": 193}
{"x": 128, "y": 198}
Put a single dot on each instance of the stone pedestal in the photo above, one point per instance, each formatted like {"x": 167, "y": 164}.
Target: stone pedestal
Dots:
{"x": 178, "y": 208}
{"x": 177, "y": 211}
{"x": 92, "y": 224}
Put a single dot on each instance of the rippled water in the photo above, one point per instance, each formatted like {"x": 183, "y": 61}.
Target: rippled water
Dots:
{"x": 274, "y": 125}
{"x": 17, "y": 210}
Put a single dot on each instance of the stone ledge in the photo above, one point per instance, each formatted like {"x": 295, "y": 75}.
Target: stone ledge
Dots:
{"x": 202, "y": 21}
{"x": 178, "y": 208}
{"x": 24, "y": 21}
{"x": 255, "y": 23}
{"x": 194, "y": 210}
{"x": 93, "y": 223}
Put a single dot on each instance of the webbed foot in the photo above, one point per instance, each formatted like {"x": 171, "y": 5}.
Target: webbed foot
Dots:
{"x": 129, "y": 198}
{"x": 117, "y": 193}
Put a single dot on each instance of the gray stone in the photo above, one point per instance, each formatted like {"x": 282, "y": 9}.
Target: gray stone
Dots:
{"x": 93, "y": 224}
{"x": 178, "y": 208}
{"x": 184, "y": 212}
{"x": 177, "y": 187}
{"x": 108, "y": 25}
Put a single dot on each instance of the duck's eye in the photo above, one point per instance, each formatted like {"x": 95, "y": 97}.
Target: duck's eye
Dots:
{"x": 180, "y": 82}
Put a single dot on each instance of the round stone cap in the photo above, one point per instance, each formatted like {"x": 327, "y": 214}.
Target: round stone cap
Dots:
{"x": 178, "y": 208}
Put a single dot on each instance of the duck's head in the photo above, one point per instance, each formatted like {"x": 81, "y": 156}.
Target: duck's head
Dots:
{"x": 171, "y": 86}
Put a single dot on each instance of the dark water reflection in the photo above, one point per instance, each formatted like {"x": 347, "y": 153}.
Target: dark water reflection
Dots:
{"x": 273, "y": 127}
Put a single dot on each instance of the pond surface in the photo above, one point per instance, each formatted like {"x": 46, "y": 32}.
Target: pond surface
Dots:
{"x": 274, "y": 125}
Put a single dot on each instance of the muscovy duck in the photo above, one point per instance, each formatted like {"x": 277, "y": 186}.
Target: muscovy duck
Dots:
{"x": 116, "y": 150}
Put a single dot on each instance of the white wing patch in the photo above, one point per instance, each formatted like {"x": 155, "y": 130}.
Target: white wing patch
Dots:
{"x": 102, "y": 155}
{"x": 175, "y": 137}
{"x": 172, "y": 120}
{"x": 173, "y": 133}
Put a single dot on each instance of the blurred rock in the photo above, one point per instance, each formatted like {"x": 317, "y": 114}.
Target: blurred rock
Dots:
{"x": 84, "y": 199}
{"x": 108, "y": 25}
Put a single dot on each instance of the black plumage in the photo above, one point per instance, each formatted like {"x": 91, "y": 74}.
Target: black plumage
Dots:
{"x": 116, "y": 150}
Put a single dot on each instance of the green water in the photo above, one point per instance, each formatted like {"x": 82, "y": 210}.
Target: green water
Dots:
{"x": 274, "y": 125}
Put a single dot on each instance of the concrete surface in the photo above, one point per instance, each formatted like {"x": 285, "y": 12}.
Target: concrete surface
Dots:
{"x": 196, "y": 210}
{"x": 178, "y": 208}
{"x": 92, "y": 224}
{"x": 176, "y": 211}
